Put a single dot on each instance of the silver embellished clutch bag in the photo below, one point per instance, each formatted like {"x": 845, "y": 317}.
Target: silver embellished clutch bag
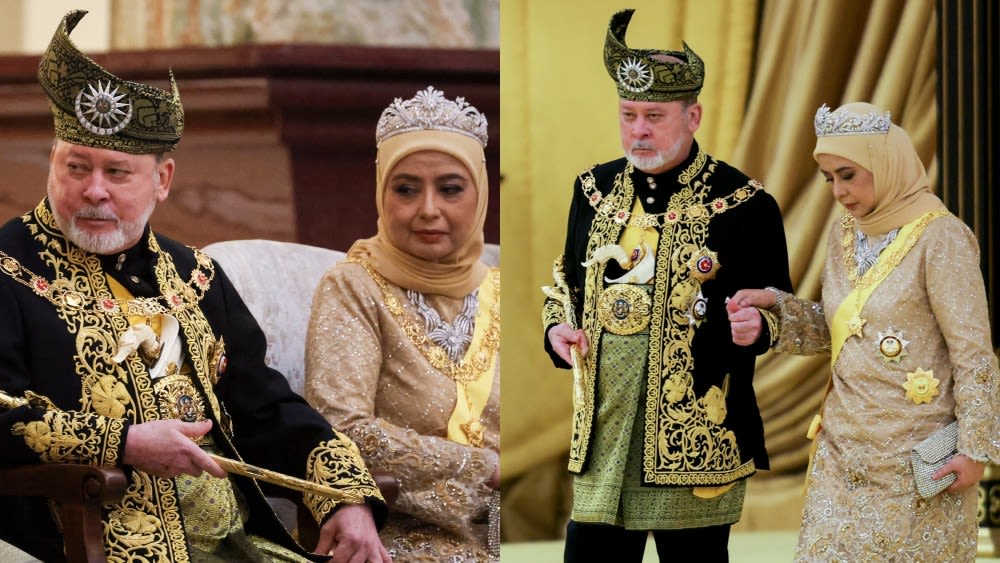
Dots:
{"x": 930, "y": 455}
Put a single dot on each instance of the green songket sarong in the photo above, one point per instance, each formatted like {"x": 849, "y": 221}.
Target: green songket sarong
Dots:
{"x": 214, "y": 516}
{"x": 609, "y": 491}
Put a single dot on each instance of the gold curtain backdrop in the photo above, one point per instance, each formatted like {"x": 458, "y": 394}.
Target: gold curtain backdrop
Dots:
{"x": 762, "y": 88}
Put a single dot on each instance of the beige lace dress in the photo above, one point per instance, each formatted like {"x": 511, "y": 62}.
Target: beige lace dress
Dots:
{"x": 369, "y": 374}
{"x": 926, "y": 321}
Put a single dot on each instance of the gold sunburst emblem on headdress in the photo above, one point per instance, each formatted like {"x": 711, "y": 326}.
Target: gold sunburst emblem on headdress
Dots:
{"x": 101, "y": 110}
{"x": 635, "y": 75}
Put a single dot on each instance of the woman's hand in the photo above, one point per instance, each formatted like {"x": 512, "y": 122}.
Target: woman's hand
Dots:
{"x": 562, "y": 336}
{"x": 763, "y": 298}
{"x": 967, "y": 471}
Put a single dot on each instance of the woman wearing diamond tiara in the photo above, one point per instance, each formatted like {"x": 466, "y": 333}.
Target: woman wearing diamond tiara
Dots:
{"x": 403, "y": 345}
{"x": 903, "y": 315}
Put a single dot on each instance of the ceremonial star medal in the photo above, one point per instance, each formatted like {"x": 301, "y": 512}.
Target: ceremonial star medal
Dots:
{"x": 218, "y": 360}
{"x": 703, "y": 264}
{"x": 474, "y": 432}
{"x": 921, "y": 386}
{"x": 892, "y": 346}
{"x": 856, "y": 326}
{"x": 698, "y": 310}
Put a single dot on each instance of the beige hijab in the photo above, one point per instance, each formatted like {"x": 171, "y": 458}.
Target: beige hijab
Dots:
{"x": 902, "y": 189}
{"x": 457, "y": 274}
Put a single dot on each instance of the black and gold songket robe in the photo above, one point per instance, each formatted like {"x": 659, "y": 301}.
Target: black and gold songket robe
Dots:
{"x": 62, "y": 324}
{"x": 665, "y": 426}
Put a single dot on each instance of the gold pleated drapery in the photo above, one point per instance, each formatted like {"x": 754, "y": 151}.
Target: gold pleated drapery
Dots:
{"x": 762, "y": 88}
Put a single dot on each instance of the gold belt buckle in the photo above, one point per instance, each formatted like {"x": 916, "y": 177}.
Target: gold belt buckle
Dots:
{"x": 624, "y": 308}
{"x": 179, "y": 399}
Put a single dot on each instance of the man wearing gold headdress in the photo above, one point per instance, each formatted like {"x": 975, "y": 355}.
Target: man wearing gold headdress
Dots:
{"x": 666, "y": 428}
{"x": 121, "y": 347}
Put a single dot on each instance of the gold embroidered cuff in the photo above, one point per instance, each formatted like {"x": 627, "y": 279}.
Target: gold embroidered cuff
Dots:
{"x": 67, "y": 437}
{"x": 552, "y": 313}
{"x": 337, "y": 463}
{"x": 773, "y": 325}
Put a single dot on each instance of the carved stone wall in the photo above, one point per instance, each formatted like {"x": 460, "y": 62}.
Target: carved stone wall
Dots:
{"x": 151, "y": 24}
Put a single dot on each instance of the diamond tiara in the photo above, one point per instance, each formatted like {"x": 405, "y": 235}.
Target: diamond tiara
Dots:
{"x": 846, "y": 122}
{"x": 430, "y": 110}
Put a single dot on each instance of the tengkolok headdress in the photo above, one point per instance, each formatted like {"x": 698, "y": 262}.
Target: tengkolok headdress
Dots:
{"x": 92, "y": 107}
{"x": 429, "y": 110}
{"x": 648, "y": 75}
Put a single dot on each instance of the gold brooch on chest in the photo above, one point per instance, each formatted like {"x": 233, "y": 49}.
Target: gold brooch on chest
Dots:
{"x": 921, "y": 386}
{"x": 892, "y": 345}
{"x": 179, "y": 399}
{"x": 698, "y": 310}
{"x": 856, "y": 326}
{"x": 218, "y": 362}
{"x": 704, "y": 264}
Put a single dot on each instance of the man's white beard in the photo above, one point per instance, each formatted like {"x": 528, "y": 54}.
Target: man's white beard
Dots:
{"x": 103, "y": 243}
{"x": 646, "y": 163}
{"x": 649, "y": 163}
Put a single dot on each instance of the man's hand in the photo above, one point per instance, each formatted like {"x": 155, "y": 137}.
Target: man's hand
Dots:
{"x": 349, "y": 535}
{"x": 562, "y": 336}
{"x": 744, "y": 318}
{"x": 166, "y": 448}
{"x": 967, "y": 471}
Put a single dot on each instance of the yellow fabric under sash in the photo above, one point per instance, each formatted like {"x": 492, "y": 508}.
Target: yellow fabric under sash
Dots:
{"x": 477, "y": 392}
{"x": 155, "y": 322}
{"x": 123, "y": 296}
{"x": 632, "y": 236}
{"x": 854, "y": 303}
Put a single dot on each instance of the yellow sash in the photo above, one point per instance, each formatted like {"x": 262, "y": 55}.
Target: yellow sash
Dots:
{"x": 471, "y": 397}
{"x": 887, "y": 261}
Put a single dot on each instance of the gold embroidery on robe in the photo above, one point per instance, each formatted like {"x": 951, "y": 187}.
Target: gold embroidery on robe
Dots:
{"x": 673, "y": 416}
